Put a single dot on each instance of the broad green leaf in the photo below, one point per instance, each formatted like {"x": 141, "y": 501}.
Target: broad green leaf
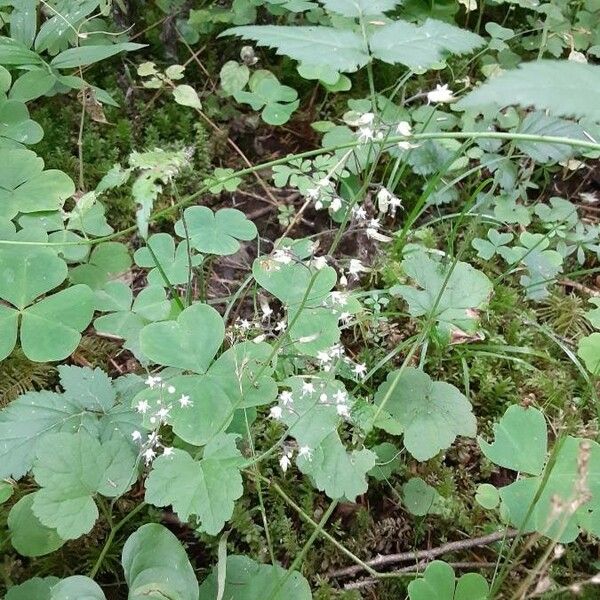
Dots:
{"x": 431, "y": 413}
{"x": 77, "y": 587}
{"x": 26, "y": 187}
{"x": 23, "y": 22}
{"x": 32, "y": 589}
{"x": 421, "y": 47}
{"x": 156, "y": 565}
{"x": 589, "y": 352}
{"x": 189, "y": 343}
{"x": 6, "y": 491}
{"x": 387, "y": 461}
{"x": 487, "y": 496}
{"x": 248, "y": 580}
{"x": 452, "y": 299}
{"x": 342, "y": 50}
{"x": 419, "y": 497}
{"x": 520, "y": 440}
{"x": 106, "y": 261}
{"x": 87, "y": 55}
{"x": 216, "y": 232}
{"x": 550, "y": 85}
{"x": 16, "y": 128}
{"x": 438, "y": 583}
{"x": 205, "y": 411}
{"x": 186, "y": 95}
{"x": 358, "y": 8}
{"x": 13, "y": 52}
{"x": 90, "y": 220}
{"x": 27, "y": 535}
{"x": 92, "y": 389}
{"x": 71, "y": 468}
{"x": 206, "y": 488}
{"x": 173, "y": 261}
{"x": 32, "y": 84}
{"x": 234, "y": 76}
{"x": 50, "y": 329}
{"x": 9, "y": 327}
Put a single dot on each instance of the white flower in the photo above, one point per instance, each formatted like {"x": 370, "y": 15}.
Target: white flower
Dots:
{"x": 305, "y": 451}
{"x": 282, "y": 256}
{"x": 153, "y": 438}
{"x": 162, "y": 413}
{"x": 340, "y": 298}
{"x": 313, "y": 193}
{"x": 171, "y": 389}
{"x": 280, "y": 326}
{"x": 355, "y": 267}
{"x": 319, "y": 262}
{"x": 267, "y": 311}
{"x": 149, "y": 455}
{"x": 308, "y": 388}
{"x": 318, "y": 205}
{"x": 340, "y": 397}
{"x": 275, "y": 412}
{"x": 142, "y": 406}
{"x": 152, "y": 381}
{"x": 343, "y": 280}
{"x": 245, "y": 324}
{"x": 323, "y": 357}
{"x": 359, "y": 213}
{"x": 365, "y": 134}
{"x": 404, "y": 128}
{"x": 387, "y": 200}
{"x": 576, "y": 56}
{"x": 136, "y": 436}
{"x": 374, "y": 224}
{"x": 260, "y": 338}
{"x": 284, "y": 462}
{"x": 366, "y": 119}
{"x": 345, "y": 317}
{"x": 167, "y": 451}
{"x": 336, "y": 204}
{"x": 185, "y": 401}
{"x": 441, "y": 94}
{"x": 343, "y": 410}
{"x": 323, "y": 398}
{"x": 360, "y": 369}
{"x": 286, "y": 397}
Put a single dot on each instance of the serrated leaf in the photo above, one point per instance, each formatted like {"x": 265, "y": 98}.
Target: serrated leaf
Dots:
{"x": 520, "y": 440}
{"x": 340, "y": 49}
{"x": 206, "y": 488}
{"x": 248, "y": 580}
{"x": 216, "y": 232}
{"x": 552, "y": 85}
{"x": 431, "y": 413}
{"x": 358, "y": 8}
{"x": 156, "y": 565}
{"x": 421, "y": 47}
{"x": 189, "y": 343}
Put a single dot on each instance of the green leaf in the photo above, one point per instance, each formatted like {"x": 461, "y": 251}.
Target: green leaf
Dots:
{"x": 87, "y": 55}
{"x": 27, "y": 535}
{"x": 340, "y": 49}
{"x": 71, "y": 468}
{"x": 206, "y": 488}
{"x": 189, "y": 343}
{"x": 589, "y": 352}
{"x": 92, "y": 388}
{"x": 23, "y": 22}
{"x": 16, "y": 127}
{"x": 452, "y": 299}
{"x": 26, "y": 187}
{"x": 550, "y": 85}
{"x": 438, "y": 582}
{"x": 77, "y": 587}
{"x": 431, "y": 413}
{"x": 186, "y": 95}
{"x": 234, "y": 77}
{"x": 13, "y": 52}
{"x": 387, "y": 461}
{"x": 33, "y": 84}
{"x": 156, "y": 565}
{"x": 174, "y": 261}
{"x": 421, "y": 47}
{"x": 520, "y": 440}
{"x": 359, "y": 8}
{"x": 249, "y": 580}
{"x": 419, "y": 497}
{"x": 33, "y": 589}
{"x": 6, "y": 491}
{"x": 487, "y": 496}
{"x": 216, "y": 233}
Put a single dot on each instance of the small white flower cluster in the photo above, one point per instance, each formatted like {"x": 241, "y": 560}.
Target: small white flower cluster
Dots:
{"x": 288, "y": 453}
{"x": 157, "y": 418}
{"x": 324, "y": 195}
{"x": 386, "y": 201}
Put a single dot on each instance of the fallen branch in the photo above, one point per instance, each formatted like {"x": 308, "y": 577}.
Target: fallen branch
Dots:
{"x": 420, "y": 555}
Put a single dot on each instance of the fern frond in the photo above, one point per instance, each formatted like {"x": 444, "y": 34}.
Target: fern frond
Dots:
{"x": 19, "y": 375}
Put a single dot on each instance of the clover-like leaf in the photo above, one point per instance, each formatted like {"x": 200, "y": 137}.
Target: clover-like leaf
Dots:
{"x": 206, "y": 488}
{"x": 486, "y": 249}
{"x": 452, "y": 299}
{"x": 26, "y": 187}
{"x": 439, "y": 582}
{"x": 589, "y": 351}
{"x": 156, "y": 565}
{"x": 173, "y": 261}
{"x": 16, "y": 128}
{"x": 246, "y": 579}
{"x": 520, "y": 440}
{"x": 420, "y": 498}
{"x": 431, "y": 413}
{"x": 27, "y": 535}
{"x": 71, "y": 468}
{"x": 277, "y": 101}
{"x": 85, "y": 404}
{"x": 36, "y": 587}
{"x": 215, "y": 232}
{"x": 189, "y": 343}
{"x": 106, "y": 261}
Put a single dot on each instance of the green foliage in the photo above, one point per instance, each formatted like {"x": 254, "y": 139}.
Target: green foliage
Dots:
{"x": 439, "y": 582}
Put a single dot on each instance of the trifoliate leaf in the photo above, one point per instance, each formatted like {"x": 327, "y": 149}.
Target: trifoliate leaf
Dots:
{"x": 432, "y": 413}
{"x": 206, "y": 488}
{"x": 234, "y": 77}
{"x": 421, "y": 47}
{"x": 77, "y": 587}
{"x": 71, "y": 468}
{"x": 486, "y": 249}
{"x": 27, "y": 535}
{"x": 439, "y": 582}
{"x": 248, "y": 580}
{"x": 106, "y": 261}
{"x": 189, "y": 343}
{"x": 156, "y": 565}
{"x": 550, "y": 85}
{"x": 419, "y": 497}
{"x": 26, "y": 187}
{"x": 173, "y": 261}
{"x": 215, "y": 232}
{"x": 520, "y": 440}
{"x": 35, "y": 588}
{"x": 452, "y": 299}
{"x": 341, "y": 49}
{"x": 358, "y": 8}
